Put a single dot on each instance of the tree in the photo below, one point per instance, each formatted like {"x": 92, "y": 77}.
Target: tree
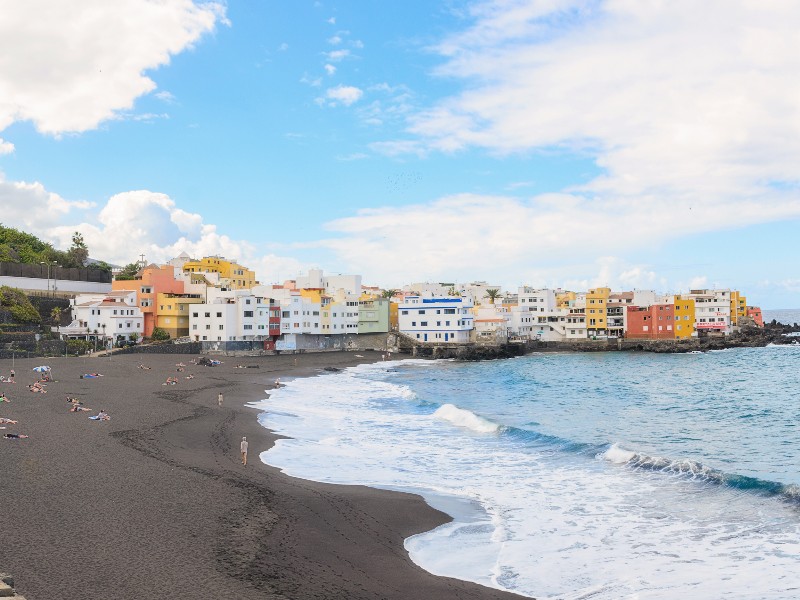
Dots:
{"x": 128, "y": 272}
{"x": 78, "y": 252}
{"x": 134, "y": 337}
{"x": 492, "y": 294}
{"x": 55, "y": 315}
{"x": 159, "y": 335}
{"x": 388, "y": 293}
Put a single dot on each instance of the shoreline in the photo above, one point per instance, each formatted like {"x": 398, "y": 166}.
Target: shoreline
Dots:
{"x": 156, "y": 502}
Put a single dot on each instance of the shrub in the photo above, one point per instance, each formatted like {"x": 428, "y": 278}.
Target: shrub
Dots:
{"x": 159, "y": 335}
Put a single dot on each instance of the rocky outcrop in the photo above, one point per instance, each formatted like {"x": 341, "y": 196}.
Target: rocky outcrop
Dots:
{"x": 7, "y": 587}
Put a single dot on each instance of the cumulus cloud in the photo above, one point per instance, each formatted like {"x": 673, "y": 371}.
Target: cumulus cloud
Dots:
{"x": 343, "y": 94}
{"x": 6, "y": 147}
{"x": 330, "y": 69}
{"x": 335, "y": 40}
{"x": 68, "y": 74}
{"x": 129, "y": 224}
{"x": 165, "y": 96}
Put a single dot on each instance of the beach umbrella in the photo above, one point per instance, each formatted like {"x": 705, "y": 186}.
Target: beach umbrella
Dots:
{"x": 42, "y": 369}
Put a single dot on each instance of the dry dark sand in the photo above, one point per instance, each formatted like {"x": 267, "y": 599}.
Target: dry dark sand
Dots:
{"x": 155, "y": 502}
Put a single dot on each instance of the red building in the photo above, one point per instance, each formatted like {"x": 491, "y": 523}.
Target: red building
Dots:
{"x": 651, "y": 322}
{"x": 754, "y": 313}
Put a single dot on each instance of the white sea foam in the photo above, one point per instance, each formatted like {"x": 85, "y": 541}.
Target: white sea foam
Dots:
{"x": 617, "y": 455}
{"x": 465, "y": 418}
{"x": 554, "y": 524}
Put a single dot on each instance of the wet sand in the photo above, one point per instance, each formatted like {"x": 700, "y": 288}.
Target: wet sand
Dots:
{"x": 155, "y": 502}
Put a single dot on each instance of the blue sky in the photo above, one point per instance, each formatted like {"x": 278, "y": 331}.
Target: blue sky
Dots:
{"x": 557, "y": 142}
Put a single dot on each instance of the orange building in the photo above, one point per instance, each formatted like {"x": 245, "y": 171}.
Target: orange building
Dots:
{"x": 151, "y": 281}
{"x": 754, "y": 313}
{"x": 654, "y": 322}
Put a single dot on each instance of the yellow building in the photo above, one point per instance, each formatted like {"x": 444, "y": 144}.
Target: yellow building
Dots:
{"x": 564, "y": 299}
{"x": 684, "y": 318}
{"x": 233, "y": 274}
{"x": 738, "y": 307}
{"x": 596, "y": 306}
{"x": 173, "y": 312}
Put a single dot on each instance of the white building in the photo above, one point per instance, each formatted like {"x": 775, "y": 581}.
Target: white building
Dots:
{"x": 436, "y": 320}
{"x": 315, "y": 279}
{"x": 300, "y": 314}
{"x": 113, "y": 316}
{"x": 230, "y": 316}
{"x": 712, "y": 311}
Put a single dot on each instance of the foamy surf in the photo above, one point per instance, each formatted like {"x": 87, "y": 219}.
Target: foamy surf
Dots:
{"x": 559, "y": 524}
{"x": 465, "y": 418}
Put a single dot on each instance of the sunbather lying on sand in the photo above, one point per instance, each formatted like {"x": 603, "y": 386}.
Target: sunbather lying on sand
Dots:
{"x": 143, "y": 367}
{"x": 14, "y": 436}
{"x": 91, "y": 375}
{"x": 37, "y": 387}
{"x": 101, "y": 416}
{"x": 3, "y": 397}
{"x": 170, "y": 381}
{"x": 190, "y": 377}
{"x": 78, "y": 408}
{"x": 5, "y": 421}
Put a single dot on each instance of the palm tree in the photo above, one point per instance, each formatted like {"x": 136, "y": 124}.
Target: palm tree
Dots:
{"x": 492, "y": 294}
{"x": 388, "y": 293}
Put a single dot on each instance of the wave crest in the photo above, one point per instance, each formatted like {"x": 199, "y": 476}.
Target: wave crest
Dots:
{"x": 465, "y": 418}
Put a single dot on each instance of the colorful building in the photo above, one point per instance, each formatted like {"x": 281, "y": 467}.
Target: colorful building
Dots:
{"x": 684, "y": 317}
{"x": 596, "y": 307}
{"x": 231, "y": 274}
{"x": 754, "y": 312}
{"x": 173, "y": 312}
{"x": 654, "y": 322}
{"x": 373, "y": 314}
{"x": 151, "y": 281}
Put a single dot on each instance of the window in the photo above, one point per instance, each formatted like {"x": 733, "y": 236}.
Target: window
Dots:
{"x": 423, "y": 323}
{"x": 208, "y": 326}
{"x": 205, "y": 337}
{"x": 194, "y": 326}
{"x": 422, "y": 311}
{"x": 248, "y": 326}
{"x": 285, "y": 314}
{"x": 405, "y": 312}
{"x": 248, "y": 313}
{"x": 195, "y": 315}
{"x": 221, "y": 327}
{"x": 120, "y": 325}
{"x": 208, "y": 314}
{"x": 449, "y": 311}
{"x": 438, "y": 323}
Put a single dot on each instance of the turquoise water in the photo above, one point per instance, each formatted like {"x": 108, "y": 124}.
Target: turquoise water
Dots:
{"x": 602, "y": 475}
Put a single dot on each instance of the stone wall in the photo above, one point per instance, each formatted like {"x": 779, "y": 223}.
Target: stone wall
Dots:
{"x": 167, "y": 348}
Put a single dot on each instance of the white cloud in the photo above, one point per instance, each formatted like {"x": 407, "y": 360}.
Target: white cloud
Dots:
{"x": 129, "y": 224}
{"x": 330, "y": 69}
{"x": 357, "y": 44}
{"x": 30, "y": 207}
{"x": 343, "y": 94}
{"x": 283, "y": 47}
{"x": 337, "y": 55}
{"x": 332, "y": 21}
{"x": 352, "y": 157}
{"x": 686, "y": 104}
{"x": 335, "y": 40}
{"x": 312, "y": 81}
{"x": 6, "y": 147}
{"x": 466, "y": 234}
{"x": 69, "y": 74}
{"x": 165, "y": 96}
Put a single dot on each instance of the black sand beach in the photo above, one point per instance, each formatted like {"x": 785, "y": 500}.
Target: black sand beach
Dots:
{"x": 155, "y": 502}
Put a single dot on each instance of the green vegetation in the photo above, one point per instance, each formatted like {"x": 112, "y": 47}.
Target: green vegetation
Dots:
{"x": 18, "y": 305}
{"x": 78, "y": 346}
{"x": 128, "y": 272}
{"x": 159, "y": 335}
{"x": 18, "y": 246}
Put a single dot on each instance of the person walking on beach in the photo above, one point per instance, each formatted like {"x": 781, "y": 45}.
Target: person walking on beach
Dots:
{"x": 219, "y": 399}
{"x": 244, "y": 451}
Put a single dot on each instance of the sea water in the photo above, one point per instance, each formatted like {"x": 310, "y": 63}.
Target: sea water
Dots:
{"x": 597, "y": 475}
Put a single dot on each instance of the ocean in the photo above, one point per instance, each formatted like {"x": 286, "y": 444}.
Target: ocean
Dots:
{"x": 787, "y": 316}
{"x": 574, "y": 475}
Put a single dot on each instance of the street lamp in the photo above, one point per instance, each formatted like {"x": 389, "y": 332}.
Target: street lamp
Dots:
{"x": 50, "y": 264}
